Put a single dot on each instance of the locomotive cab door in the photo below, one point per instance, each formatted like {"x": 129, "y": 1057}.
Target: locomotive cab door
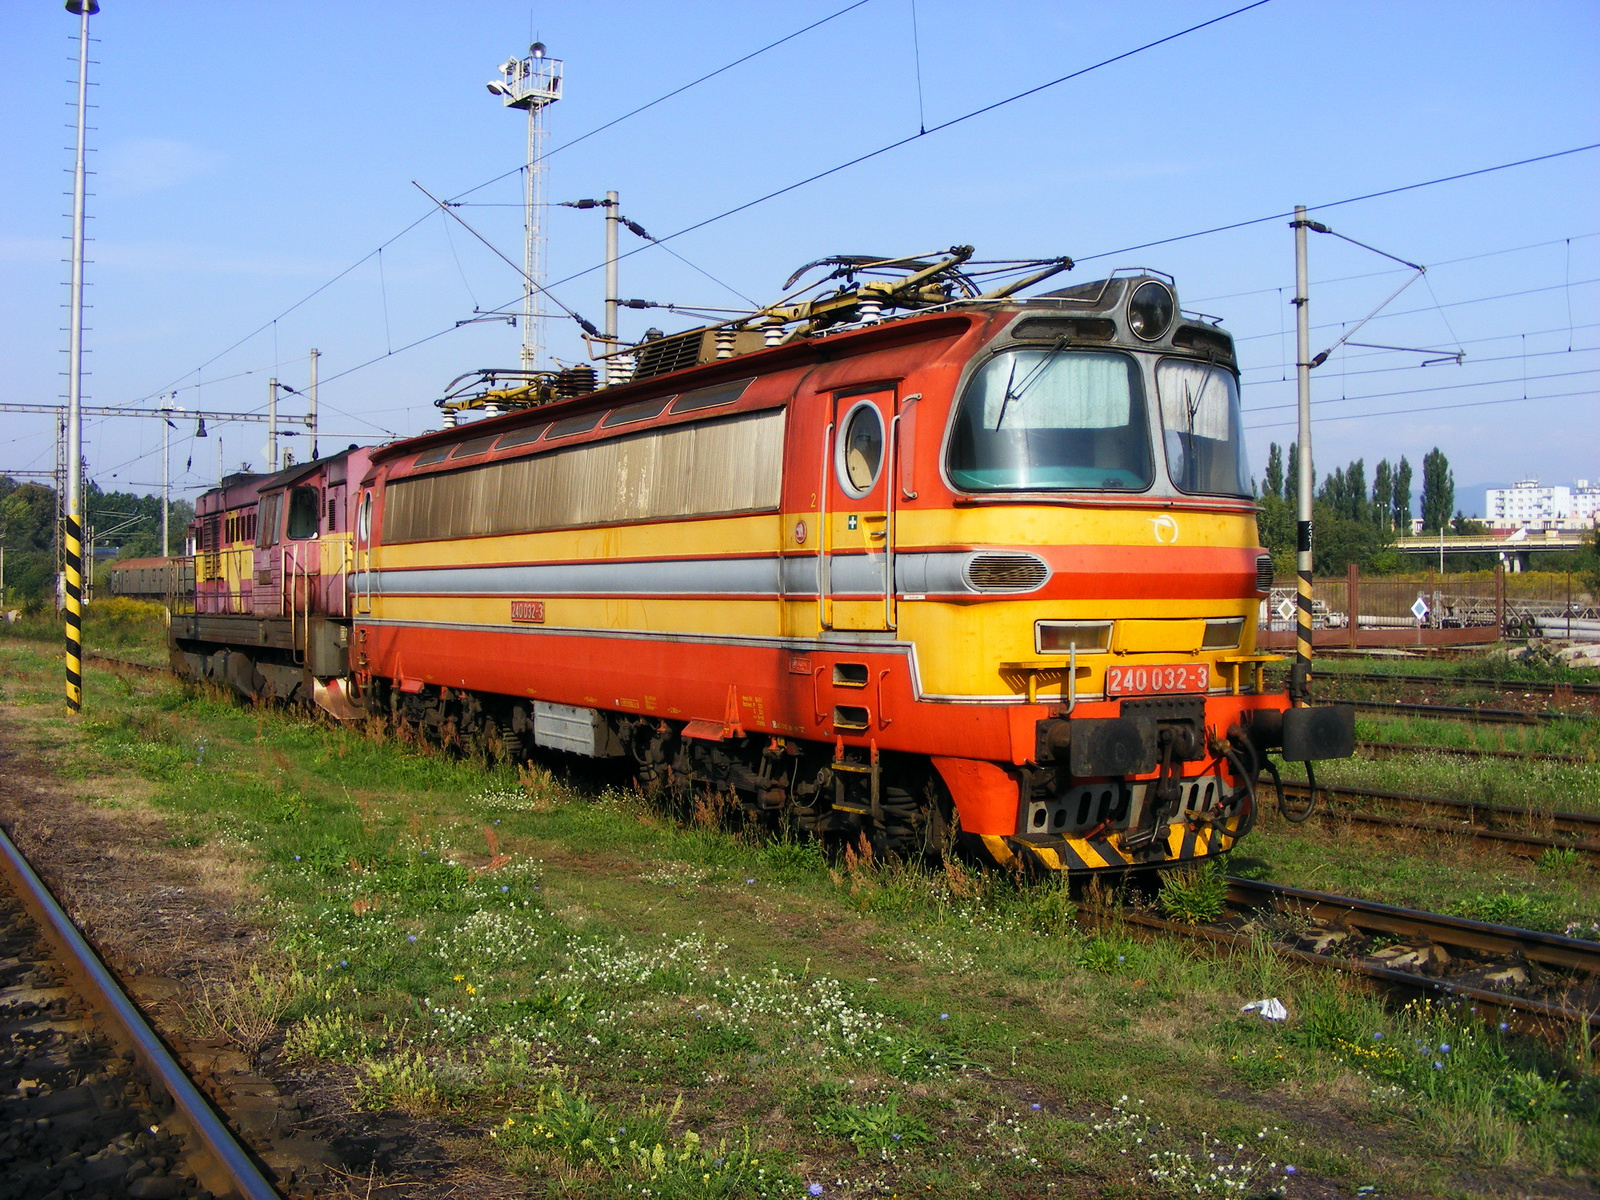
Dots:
{"x": 361, "y": 571}
{"x": 857, "y": 586}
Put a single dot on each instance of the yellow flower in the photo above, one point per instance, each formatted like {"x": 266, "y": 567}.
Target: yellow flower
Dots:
{"x": 471, "y": 991}
{"x": 458, "y": 978}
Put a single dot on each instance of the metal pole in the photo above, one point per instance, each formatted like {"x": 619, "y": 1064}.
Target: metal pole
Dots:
{"x": 1300, "y": 679}
{"x": 61, "y": 501}
{"x": 311, "y": 399}
{"x": 166, "y": 481}
{"x": 613, "y": 300}
{"x": 219, "y": 458}
{"x": 530, "y": 233}
{"x": 272, "y": 425}
{"x": 74, "y": 532}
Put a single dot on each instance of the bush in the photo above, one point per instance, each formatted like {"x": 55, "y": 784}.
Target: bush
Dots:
{"x": 120, "y": 621}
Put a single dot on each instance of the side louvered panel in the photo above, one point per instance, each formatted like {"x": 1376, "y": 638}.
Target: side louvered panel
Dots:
{"x": 732, "y": 465}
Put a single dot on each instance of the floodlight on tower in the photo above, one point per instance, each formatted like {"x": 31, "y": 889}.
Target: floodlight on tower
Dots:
{"x": 531, "y": 84}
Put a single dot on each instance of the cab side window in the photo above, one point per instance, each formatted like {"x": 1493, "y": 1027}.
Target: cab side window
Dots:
{"x": 305, "y": 507}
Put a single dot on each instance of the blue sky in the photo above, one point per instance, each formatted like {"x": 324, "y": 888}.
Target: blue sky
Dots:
{"x": 249, "y": 153}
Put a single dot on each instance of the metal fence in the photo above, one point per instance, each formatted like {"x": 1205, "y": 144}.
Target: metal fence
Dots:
{"x": 1358, "y": 611}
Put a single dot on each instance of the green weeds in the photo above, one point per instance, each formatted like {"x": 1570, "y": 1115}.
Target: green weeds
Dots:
{"x": 1449, "y": 1067}
{"x": 627, "y": 1149}
{"x": 1561, "y": 862}
{"x": 1507, "y": 908}
{"x": 879, "y": 1128}
{"x": 615, "y": 1005}
{"x": 1194, "y": 895}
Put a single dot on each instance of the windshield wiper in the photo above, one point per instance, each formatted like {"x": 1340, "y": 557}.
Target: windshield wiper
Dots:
{"x": 1028, "y": 380}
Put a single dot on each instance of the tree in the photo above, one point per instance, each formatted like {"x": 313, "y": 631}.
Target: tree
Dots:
{"x": 1291, "y": 477}
{"x": 1332, "y": 492}
{"x": 1591, "y": 555}
{"x": 1383, "y": 496}
{"x": 1402, "y": 497}
{"x": 28, "y": 532}
{"x": 1340, "y": 541}
{"x": 1274, "y": 479}
{"x": 1438, "y": 490}
{"x": 1355, "y": 478}
{"x": 1275, "y": 528}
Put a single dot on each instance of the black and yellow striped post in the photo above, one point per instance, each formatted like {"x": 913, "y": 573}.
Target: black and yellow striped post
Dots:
{"x": 74, "y": 612}
{"x": 83, "y": 10}
{"x": 1300, "y": 673}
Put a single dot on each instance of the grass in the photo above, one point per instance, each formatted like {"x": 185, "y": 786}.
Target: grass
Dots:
{"x": 1557, "y": 892}
{"x": 606, "y": 1002}
{"x": 130, "y": 629}
{"x": 1494, "y": 664}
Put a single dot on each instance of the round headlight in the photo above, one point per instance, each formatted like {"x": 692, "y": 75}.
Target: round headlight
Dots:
{"x": 1150, "y": 310}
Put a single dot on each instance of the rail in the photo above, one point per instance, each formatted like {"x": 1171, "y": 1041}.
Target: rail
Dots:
{"x": 1572, "y": 962}
{"x": 1472, "y": 818}
{"x": 1465, "y": 712}
{"x": 1529, "y": 687}
{"x": 1396, "y": 749}
{"x": 227, "y": 1169}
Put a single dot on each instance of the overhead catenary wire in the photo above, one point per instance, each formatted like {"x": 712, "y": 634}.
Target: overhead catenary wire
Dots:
{"x": 922, "y": 133}
{"x": 989, "y": 108}
{"x": 1477, "y": 362}
{"x": 1400, "y": 412}
{"x": 678, "y": 91}
{"x": 1411, "y": 366}
{"x": 424, "y": 216}
{"x": 1444, "y": 262}
{"x": 1444, "y": 387}
{"x": 1408, "y": 187}
{"x": 1411, "y": 312}
{"x": 1391, "y": 191}
{"x": 957, "y": 120}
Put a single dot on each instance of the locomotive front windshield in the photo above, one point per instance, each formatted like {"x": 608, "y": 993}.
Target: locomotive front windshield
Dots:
{"x": 1203, "y": 437}
{"x": 1052, "y": 418}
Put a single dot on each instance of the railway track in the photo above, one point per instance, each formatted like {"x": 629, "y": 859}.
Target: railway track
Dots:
{"x": 1541, "y": 982}
{"x": 1400, "y": 749}
{"x": 1541, "y": 829}
{"x": 1540, "y": 688}
{"x": 1464, "y": 712}
{"x": 124, "y": 664}
{"x": 97, "y": 1102}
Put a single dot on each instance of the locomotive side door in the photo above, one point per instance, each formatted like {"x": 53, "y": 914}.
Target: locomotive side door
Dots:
{"x": 267, "y": 592}
{"x": 856, "y": 584}
{"x": 360, "y": 572}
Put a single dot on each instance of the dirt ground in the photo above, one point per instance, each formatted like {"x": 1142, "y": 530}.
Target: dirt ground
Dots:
{"x": 171, "y": 923}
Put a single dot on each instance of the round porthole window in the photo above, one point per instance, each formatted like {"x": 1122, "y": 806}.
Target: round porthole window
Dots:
{"x": 859, "y": 456}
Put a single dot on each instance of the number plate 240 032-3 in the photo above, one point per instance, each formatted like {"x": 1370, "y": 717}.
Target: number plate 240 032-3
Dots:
{"x": 1160, "y": 679}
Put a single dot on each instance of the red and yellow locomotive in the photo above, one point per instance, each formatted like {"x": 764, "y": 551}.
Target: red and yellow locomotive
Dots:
{"x": 988, "y": 567}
